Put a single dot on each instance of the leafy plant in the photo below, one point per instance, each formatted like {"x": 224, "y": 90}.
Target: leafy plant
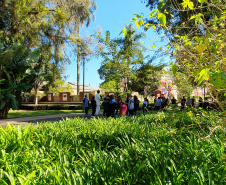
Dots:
{"x": 147, "y": 149}
{"x": 15, "y": 61}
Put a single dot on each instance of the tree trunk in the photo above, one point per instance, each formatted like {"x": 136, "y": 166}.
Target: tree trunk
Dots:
{"x": 4, "y": 112}
{"x": 36, "y": 96}
{"x": 78, "y": 69}
{"x": 145, "y": 91}
{"x": 78, "y": 63}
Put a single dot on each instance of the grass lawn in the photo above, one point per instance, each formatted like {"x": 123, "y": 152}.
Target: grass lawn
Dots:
{"x": 160, "y": 149}
{"x": 22, "y": 114}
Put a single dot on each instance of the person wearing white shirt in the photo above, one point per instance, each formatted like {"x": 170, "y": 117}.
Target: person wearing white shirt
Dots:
{"x": 97, "y": 98}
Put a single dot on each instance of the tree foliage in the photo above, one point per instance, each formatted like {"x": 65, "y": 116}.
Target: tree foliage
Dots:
{"x": 200, "y": 53}
{"x": 121, "y": 56}
{"x": 16, "y": 64}
{"x": 60, "y": 86}
{"x": 146, "y": 79}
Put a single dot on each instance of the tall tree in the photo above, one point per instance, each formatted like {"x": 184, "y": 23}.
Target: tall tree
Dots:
{"x": 48, "y": 25}
{"x": 146, "y": 79}
{"x": 121, "y": 56}
{"x": 85, "y": 17}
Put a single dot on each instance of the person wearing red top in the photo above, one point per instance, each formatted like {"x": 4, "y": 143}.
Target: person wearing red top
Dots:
{"x": 123, "y": 109}
{"x": 118, "y": 104}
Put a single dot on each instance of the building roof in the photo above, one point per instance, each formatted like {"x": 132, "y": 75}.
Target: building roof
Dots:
{"x": 86, "y": 88}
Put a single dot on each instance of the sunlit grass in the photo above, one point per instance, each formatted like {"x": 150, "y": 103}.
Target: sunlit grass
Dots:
{"x": 148, "y": 149}
{"x": 21, "y": 114}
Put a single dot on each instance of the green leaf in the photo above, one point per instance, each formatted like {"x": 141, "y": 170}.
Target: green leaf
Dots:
{"x": 161, "y": 4}
{"x": 138, "y": 16}
{"x": 34, "y": 56}
{"x": 202, "y": 1}
{"x": 137, "y": 24}
{"x": 162, "y": 18}
{"x": 179, "y": 176}
{"x": 174, "y": 68}
{"x": 141, "y": 22}
{"x": 187, "y": 3}
{"x": 204, "y": 75}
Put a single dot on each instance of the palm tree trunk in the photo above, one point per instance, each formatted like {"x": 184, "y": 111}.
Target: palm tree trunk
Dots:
{"x": 78, "y": 69}
{"x": 36, "y": 96}
{"x": 78, "y": 64}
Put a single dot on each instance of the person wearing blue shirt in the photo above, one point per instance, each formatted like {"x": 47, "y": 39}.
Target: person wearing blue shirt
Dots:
{"x": 158, "y": 103}
{"x": 86, "y": 104}
{"x": 145, "y": 105}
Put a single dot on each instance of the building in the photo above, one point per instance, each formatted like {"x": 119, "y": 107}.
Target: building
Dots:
{"x": 86, "y": 88}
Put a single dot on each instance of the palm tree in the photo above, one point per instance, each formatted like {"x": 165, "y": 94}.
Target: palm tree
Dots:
{"x": 86, "y": 14}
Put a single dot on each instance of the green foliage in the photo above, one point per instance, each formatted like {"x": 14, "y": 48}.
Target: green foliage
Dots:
{"x": 146, "y": 77}
{"x": 198, "y": 42}
{"x": 148, "y": 149}
{"x": 112, "y": 86}
{"x": 60, "y": 86}
{"x": 15, "y": 62}
{"x": 121, "y": 56}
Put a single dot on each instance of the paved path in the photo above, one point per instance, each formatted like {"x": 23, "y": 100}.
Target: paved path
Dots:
{"x": 36, "y": 119}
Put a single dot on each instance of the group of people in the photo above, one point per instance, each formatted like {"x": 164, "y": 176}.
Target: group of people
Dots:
{"x": 113, "y": 107}
{"x": 163, "y": 102}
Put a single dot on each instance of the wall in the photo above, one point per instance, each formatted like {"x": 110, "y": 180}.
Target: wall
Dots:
{"x": 75, "y": 98}
{"x": 56, "y": 99}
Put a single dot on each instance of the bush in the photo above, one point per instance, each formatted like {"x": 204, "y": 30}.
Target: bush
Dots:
{"x": 148, "y": 149}
{"x": 51, "y": 107}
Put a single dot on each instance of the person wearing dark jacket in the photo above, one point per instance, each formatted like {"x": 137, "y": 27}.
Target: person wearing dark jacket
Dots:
{"x": 206, "y": 103}
{"x": 193, "y": 101}
{"x": 163, "y": 102}
{"x": 93, "y": 105}
{"x": 183, "y": 102}
{"x": 112, "y": 106}
{"x": 136, "y": 104}
{"x": 200, "y": 102}
{"x": 105, "y": 105}
{"x": 118, "y": 104}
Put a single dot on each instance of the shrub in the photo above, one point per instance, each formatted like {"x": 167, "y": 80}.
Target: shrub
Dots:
{"x": 148, "y": 149}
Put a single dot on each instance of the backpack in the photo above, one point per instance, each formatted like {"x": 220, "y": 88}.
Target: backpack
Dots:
{"x": 131, "y": 104}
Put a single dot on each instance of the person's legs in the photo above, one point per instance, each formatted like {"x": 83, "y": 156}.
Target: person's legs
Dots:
{"x": 116, "y": 112}
{"x": 86, "y": 110}
{"x": 94, "y": 110}
{"x": 98, "y": 110}
{"x": 113, "y": 113}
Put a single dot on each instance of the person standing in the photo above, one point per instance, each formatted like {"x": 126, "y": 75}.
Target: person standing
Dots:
{"x": 123, "y": 109}
{"x": 97, "y": 98}
{"x": 105, "y": 106}
{"x": 200, "y": 102}
{"x": 131, "y": 105}
{"x": 118, "y": 104}
{"x": 158, "y": 103}
{"x": 145, "y": 105}
{"x": 163, "y": 102}
{"x": 189, "y": 102}
{"x": 86, "y": 104}
{"x": 206, "y": 103}
{"x": 183, "y": 102}
{"x": 113, "y": 106}
{"x": 93, "y": 105}
{"x": 193, "y": 101}
{"x": 136, "y": 104}
{"x": 173, "y": 101}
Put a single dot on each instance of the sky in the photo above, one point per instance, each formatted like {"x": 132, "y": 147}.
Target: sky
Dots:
{"x": 111, "y": 16}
